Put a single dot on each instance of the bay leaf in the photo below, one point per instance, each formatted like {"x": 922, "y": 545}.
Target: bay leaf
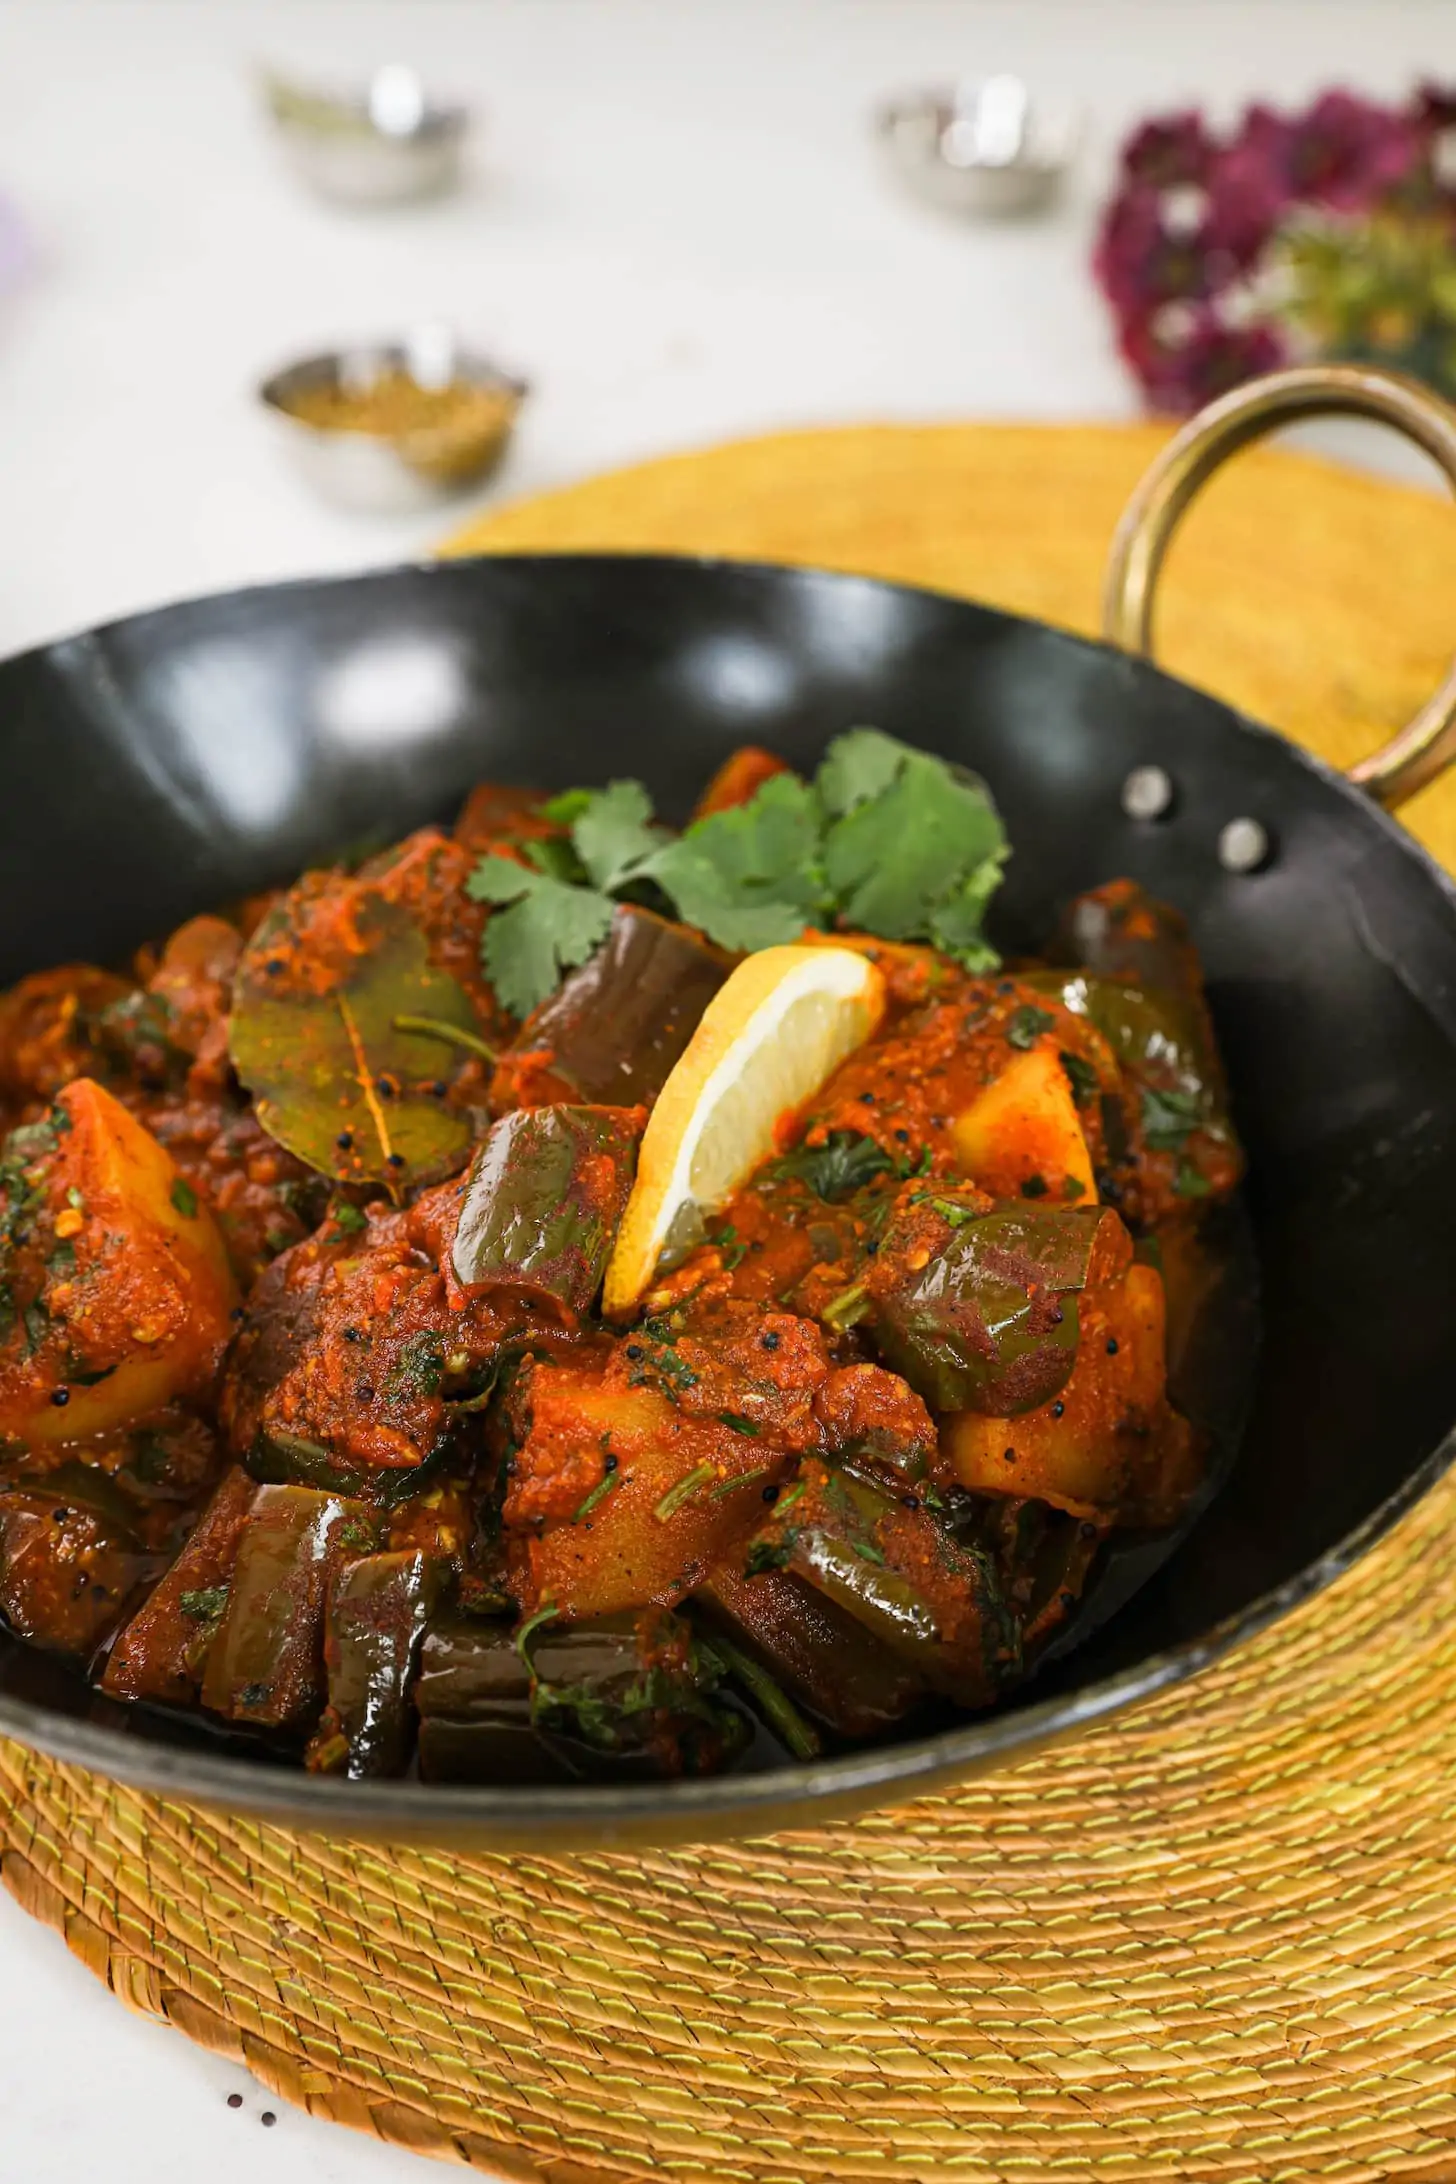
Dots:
{"x": 314, "y": 1038}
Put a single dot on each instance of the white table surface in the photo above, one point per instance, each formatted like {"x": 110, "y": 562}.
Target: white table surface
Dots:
{"x": 676, "y": 229}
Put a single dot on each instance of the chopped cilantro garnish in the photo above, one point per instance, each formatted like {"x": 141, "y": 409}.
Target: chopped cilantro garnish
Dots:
{"x": 420, "y": 1366}
{"x": 347, "y": 1217}
{"x": 205, "y": 1605}
{"x": 599, "y": 1493}
{"x": 838, "y": 1168}
{"x": 727, "y": 1242}
{"x": 1189, "y": 1183}
{"x": 683, "y": 1491}
{"x": 184, "y": 1199}
{"x": 1024, "y": 1026}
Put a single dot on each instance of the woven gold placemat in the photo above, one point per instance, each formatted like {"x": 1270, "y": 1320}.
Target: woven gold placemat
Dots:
{"x": 1214, "y": 1940}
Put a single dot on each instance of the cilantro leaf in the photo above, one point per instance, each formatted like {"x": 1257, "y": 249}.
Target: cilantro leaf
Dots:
{"x": 548, "y": 928}
{"x": 556, "y": 858}
{"x": 858, "y": 766}
{"x": 612, "y": 832}
{"x": 893, "y": 859}
{"x": 1025, "y": 1026}
{"x": 838, "y": 1168}
{"x": 748, "y": 877}
{"x": 564, "y": 810}
{"x": 957, "y": 920}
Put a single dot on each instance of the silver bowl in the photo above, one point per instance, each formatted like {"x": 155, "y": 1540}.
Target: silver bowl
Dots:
{"x": 385, "y": 143}
{"x": 394, "y": 472}
{"x": 980, "y": 147}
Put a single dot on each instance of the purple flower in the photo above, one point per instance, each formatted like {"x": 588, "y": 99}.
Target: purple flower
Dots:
{"x": 1169, "y": 153}
{"x": 1247, "y": 200}
{"x": 1138, "y": 262}
{"x": 1206, "y": 361}
{"x": 1344, "y": 151}
{"x": 1187, "y": 246}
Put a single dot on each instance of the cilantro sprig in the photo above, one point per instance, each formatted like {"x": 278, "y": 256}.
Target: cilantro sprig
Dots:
{"x": 885, "y": 840}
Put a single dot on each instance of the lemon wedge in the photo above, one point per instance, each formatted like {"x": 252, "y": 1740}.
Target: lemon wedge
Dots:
{"x": 773, "y": 1033}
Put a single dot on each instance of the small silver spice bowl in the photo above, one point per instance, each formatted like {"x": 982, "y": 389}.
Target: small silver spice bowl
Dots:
{"x": 981, "y": 148}
{"x": 386, "y": 142}
{"x": 378, "y": 465}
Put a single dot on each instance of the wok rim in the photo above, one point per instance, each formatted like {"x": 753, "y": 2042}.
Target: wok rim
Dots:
{"x": 864, "y": 1779}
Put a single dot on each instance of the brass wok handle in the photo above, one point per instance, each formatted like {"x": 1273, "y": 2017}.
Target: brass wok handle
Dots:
{"x": 1425, "y": 747}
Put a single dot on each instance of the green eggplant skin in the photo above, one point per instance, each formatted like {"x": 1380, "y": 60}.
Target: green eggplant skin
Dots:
{"x": 378, "y": 1610}
{"x": 826, "y": 1659}
{"x": 266, "y": 1666}
{"x": 624, "y": 1683}
{"x": 542, "y": 1205}
{"x": 629, "y": 1694}
{"x": 887, "y": 1562}
{"x": 614, "y": 1030}
{"x": 1154, "y": 1035}
{"x": 1120, "y": 933}
{"x": 978, "y": 1310}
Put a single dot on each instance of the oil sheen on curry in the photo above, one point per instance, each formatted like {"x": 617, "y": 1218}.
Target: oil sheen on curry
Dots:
{"x": 566, "y": 1299}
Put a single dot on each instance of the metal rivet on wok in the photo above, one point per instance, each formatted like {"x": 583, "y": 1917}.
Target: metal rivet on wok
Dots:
{"x": 1147, "y": 793}
{"x": 1243, "y": 846}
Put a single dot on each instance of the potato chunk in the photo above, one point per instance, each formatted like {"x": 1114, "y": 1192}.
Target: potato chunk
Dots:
{"x": 619, "y": 1498}
{"x": 116, "y": 1288}
{"x": 1022, "y": 1135}
{"x": 1109, "y": 1447}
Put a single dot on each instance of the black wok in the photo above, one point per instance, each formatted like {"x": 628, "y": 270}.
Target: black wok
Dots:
{"x": 179, "y": 758}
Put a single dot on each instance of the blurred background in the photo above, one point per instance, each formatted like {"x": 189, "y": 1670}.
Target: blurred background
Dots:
{"x": 674, "y": 221}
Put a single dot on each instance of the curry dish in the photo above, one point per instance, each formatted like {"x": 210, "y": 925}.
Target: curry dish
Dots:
{"x": 564, "y": 1298}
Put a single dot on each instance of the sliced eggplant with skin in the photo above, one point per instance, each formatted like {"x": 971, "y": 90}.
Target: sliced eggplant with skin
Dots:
{"x": 543, "y": 1202}
{"x": 977, "y": 1309}
{"x": 265, "y": 1666}
{"x": 889, "y": 1565}
{"x": 630, "y": 1694}
{"x": 614, "y": 1030}
{"x": 825, "y": 1659}
{"x": 378, "y": 1609}
{"x": 162, "y": 1652}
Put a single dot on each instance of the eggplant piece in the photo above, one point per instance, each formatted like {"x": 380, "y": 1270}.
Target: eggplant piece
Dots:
{"x": 162, "y": 1652}
{"x": 1043, "y": 1557}
{"x": 1121, "y": 933}
{"x": 1157, "y": 1040}
{"x": 377, "y": 1613}
{"x": 632, "y": 1688}
{"x": 473, "y": 1699}
{"x": 823, "y": 1657}
{"x": 629, "y": 1694}
{"x": 1177, "y": 1101}
{"x": 70, "y": 1564}
{"x": 541, "y": 1208}
{"x": 887, "y": 1563}
{"x": 613, "y": 1031}
{"x": 266, "y": 1666}
{"x": 978, "y": 1309}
